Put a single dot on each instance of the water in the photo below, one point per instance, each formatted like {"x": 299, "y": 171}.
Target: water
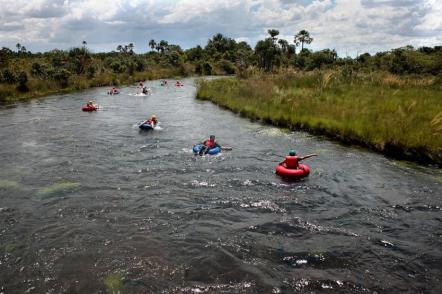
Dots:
{"x": 89, "y": 204}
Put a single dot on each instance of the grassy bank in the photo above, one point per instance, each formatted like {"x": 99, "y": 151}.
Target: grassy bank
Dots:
{"x": 39, "y": 88}
{"x": 399, "y": 116}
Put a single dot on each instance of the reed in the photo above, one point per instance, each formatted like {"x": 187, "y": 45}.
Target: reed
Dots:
{"x": 398, "y": 116}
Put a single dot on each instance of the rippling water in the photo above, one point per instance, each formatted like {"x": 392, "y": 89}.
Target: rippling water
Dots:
{"x": 88, "y": 203}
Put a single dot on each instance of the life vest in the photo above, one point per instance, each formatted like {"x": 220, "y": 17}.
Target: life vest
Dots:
{"x": 210, "y": 144}
{"x": 291, "y": 162}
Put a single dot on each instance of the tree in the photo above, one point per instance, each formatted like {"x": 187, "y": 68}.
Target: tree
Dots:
{"x": 162, "y": 46}
{"x": 273, "y": 33}
{"x": 303, "y": 37}
{"x": 84, "y": 44}
{"x": 119, "y": 48}
{"x": 18, "y": 47}
{"x": 152, "y": 44}
{"x": 284, "y": 45}
{"x": 130, "y": 48}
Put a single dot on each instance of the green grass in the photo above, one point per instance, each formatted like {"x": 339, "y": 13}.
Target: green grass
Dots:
{"x": 40, "y": 88}
{"x": 398, "y": 116}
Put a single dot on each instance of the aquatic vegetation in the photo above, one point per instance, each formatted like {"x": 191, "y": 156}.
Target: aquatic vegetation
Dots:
{"x": 58, "y": 187}
{"x": 114, "y": 283}
{"x": 402, "y": 120}
{"x": 8, "y": 184}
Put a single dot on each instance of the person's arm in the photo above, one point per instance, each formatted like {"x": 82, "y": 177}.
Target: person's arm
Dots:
{"x": 307, "y": 156}
{"x": 282, "y": 162}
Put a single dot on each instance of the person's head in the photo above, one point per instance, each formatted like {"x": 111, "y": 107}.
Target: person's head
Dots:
{"x": 292, "y": 152}
{"x": 154, "y": 117}
{"x": 212, "y": 137}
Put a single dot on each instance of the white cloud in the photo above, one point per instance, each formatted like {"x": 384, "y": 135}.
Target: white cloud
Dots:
{"x": 346, "y": 25}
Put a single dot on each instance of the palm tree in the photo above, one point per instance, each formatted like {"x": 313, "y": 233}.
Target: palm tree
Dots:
{"x": 119, "y": 48}
{"x": 152, "y": 44}
{"x": 303, "y": 37}
{"x": 130, "y": 48}
{"x": 284, "y": 45}
{"x": 84, "y": 44}
{"x": 18, "y": 46}
{"x": 163, "y": 45}
{"x": 273, "y": 33}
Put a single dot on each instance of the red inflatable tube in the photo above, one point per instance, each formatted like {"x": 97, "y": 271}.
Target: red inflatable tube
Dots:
{"x": 89, "y": 108}
{"x": 300, "y": 172}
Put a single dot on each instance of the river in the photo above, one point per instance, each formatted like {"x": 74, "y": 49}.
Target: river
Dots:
{"x": 89, "y": 204}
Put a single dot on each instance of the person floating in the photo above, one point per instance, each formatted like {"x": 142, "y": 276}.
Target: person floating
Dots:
{"x": 178, "y": 84}
{"x": 208, "y": 145}
{"x": 163, "y": 83}
{"x": 113, "y": 91}
{"x": 145, "y": 90}
{"x": 291, "y": 161}
{"x": 152, "y": 121}
{"x": 291, "y": 168}
{"x": 90, "y": 106}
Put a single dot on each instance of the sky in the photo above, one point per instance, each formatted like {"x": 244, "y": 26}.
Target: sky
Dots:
{"x": 349, "y": 26}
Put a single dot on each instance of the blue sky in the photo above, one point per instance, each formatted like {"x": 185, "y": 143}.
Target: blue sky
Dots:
{"x": 349, "y": 26}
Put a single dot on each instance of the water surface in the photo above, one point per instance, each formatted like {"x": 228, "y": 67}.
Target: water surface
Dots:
{"x": 89, "y": 204}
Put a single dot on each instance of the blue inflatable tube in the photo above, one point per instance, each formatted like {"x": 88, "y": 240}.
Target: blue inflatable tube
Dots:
{"x": 197, "y": 148}
{"x": 145, "y": 127}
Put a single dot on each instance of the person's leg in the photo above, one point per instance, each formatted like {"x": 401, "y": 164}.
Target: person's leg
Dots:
{"x": 203, "y": 150}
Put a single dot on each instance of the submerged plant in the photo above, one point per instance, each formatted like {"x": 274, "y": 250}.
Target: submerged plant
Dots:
{"x": 58, "y": 187}
{"x": 114, "y": 283}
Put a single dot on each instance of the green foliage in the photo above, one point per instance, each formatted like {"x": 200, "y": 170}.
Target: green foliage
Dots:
{"x": 378, "y": 109}
{"x": 9, "y": 77}
{"x": 22, "y": 79}
{"x": 227, "y": 66}
{"x": 78, "y": 68}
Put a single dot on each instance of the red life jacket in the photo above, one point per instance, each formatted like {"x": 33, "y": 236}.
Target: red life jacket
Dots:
{"x": 291, "y": 162}
{"x": 210, "y": 144}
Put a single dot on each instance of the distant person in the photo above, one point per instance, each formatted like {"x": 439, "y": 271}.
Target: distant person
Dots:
{"x": 152, "y": 121}
{"x": 291, "y": 161}
{"x": 90, "y": 104}
{"x": 209, "y": 144}
{"x": 145, "y": 90}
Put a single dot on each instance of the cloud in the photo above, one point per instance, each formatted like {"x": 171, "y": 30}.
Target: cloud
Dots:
{"x": 349, "y": 26}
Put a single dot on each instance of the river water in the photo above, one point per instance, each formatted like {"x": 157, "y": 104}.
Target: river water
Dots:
{"x": 91, "y": 204}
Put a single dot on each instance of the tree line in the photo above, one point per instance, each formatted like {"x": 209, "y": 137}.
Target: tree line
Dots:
{"x": 221, "y": 55}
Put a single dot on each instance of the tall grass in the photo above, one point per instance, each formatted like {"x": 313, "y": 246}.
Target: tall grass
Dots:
{"x": 398, "y": 116}
{"x": 38, "y": 87}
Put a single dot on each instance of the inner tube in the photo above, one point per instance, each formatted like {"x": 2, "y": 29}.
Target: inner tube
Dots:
{"x": 212, "y": 151}
{"x": 144, "y": 126}
{"x": 302, "y": 171}
{"x": 89, "y": 108}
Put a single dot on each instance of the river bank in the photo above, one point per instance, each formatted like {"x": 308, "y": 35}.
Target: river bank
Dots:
{"x": 36, "y": 88}
{"x": 399, "y": 117}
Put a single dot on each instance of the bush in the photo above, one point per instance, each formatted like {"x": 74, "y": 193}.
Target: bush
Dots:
{"x": 9, "y": 77}
{"x": 22, "y": 79}
{"x": 227, "y": 66}
{"x": 207, "y": 68}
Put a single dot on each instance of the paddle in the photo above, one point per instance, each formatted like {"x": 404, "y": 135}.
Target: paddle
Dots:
{"x": 226, "y": 148}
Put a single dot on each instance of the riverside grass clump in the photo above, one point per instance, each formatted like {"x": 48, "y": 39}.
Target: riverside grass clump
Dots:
{"x": 399, "y": 116}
